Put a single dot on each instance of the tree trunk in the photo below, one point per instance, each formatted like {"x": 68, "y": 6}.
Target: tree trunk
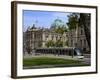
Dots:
{"x": 84, "y": 18}
{"x": 76, "y": 33}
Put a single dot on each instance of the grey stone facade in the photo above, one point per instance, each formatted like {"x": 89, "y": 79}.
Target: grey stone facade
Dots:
{"x": 36, "y": 38}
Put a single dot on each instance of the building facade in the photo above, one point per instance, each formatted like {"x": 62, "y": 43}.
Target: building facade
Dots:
{"x": 78, "y": 40}
{"x": 36, "y": 38}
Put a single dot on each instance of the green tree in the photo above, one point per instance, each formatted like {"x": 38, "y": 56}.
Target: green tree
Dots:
{"x": 59, "y": 26}
{"x": 61, "y": 30}
{"x": 50, "y": 43}
{"x": 73, "y": 22}
{"x": 81, "y": 20}
{"x": 59, "y": 43}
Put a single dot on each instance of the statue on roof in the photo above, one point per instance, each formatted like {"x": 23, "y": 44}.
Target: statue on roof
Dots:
{"x": 33, "y": 27}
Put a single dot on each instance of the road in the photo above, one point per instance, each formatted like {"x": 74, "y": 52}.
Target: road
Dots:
{"x": 87, "y": 58}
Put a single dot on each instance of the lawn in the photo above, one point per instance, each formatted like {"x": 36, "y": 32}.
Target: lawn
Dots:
{"x": 43, "y": 61}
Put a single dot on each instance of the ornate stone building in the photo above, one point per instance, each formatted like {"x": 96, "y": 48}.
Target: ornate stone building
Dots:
{"x": 36, "y": 38}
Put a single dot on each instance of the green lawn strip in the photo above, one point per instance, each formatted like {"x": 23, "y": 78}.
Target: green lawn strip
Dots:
{"x": 49, "y": 61}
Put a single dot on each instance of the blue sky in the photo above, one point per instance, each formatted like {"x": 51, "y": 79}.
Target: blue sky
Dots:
{"x": 42, "y": 18}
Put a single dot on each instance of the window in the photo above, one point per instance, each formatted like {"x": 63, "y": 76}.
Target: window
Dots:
{"x": 46, "y": 36}
{"x": 81, "y": 32}
{"x": 52, "y": 37}
{"x": 71, "y": 42}
{"x": 81, "y": 42}
{"x": 56, "y": 37}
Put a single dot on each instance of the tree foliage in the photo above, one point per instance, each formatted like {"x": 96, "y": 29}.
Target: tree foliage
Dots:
{"x": 61, "y": 30}
{"x": 59, "y": 43}
{"x": 73, "y": 20}
{"x": 50, "y": 43}
{"x": 82, "y": 20}
{"x": 59, "y": 26}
